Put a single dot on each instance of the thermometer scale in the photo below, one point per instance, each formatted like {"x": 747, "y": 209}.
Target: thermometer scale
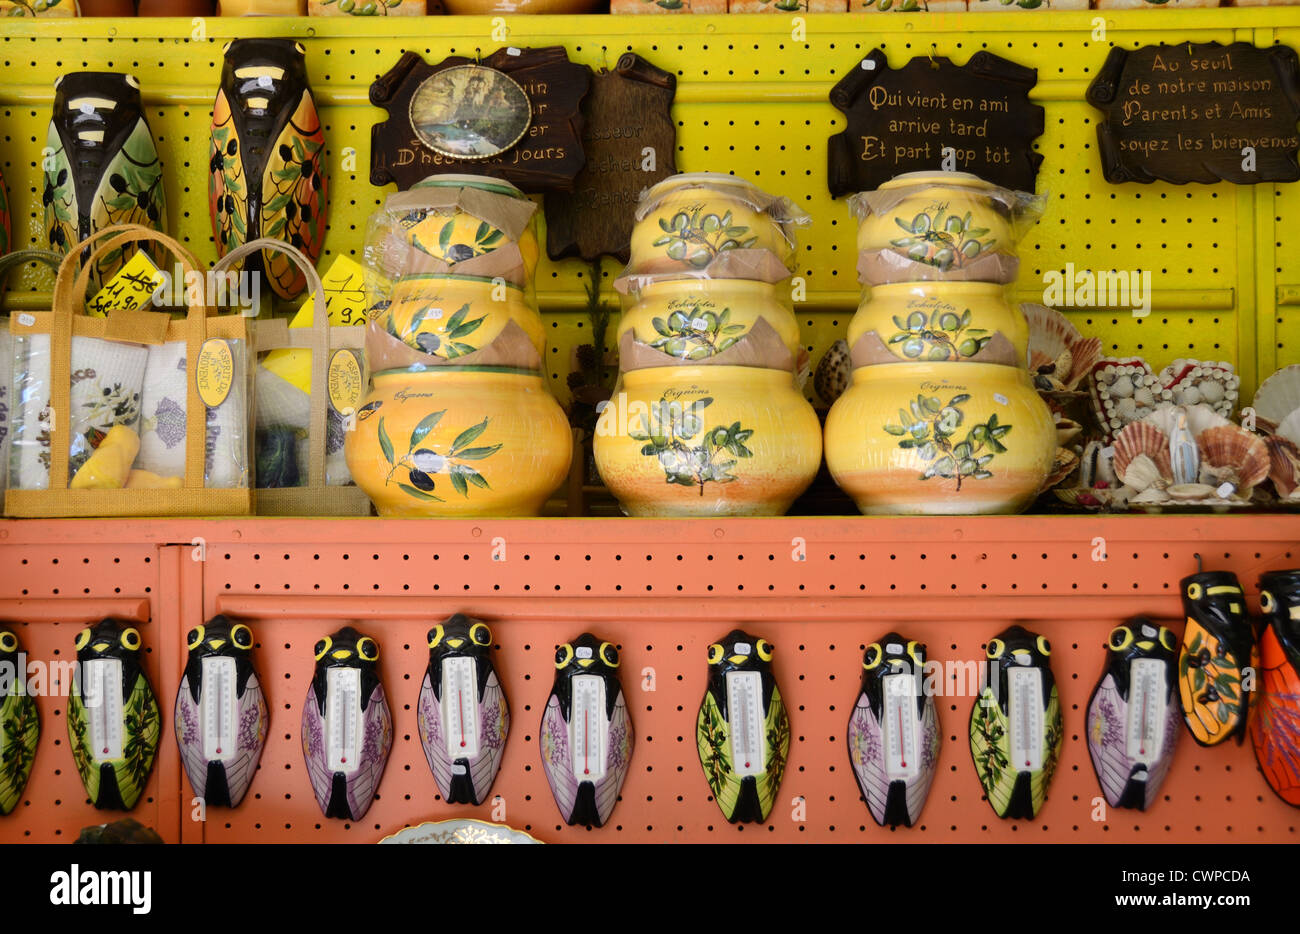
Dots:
{"x": 1025, "y": 686}
{"x": 460, "y": 707}
{"x": 745, "y": 717}
{"x": 901, "y": 727}
{"x": 103, "y": 698}
{"x": 587, "y": 732}
{"x": 1146, "y": 710}
{"x": 343, "y": 719}
{"x": 220, "y": 720}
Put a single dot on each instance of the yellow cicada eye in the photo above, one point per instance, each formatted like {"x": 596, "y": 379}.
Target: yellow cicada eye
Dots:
{"x": 1121, "y": 637}
{"x": 1044, "y": 646}
{"x": 563, "y": 655}
{"x": 367, "y": 648}
{"x": 83, "y": 639}
{"x": 480, "y": 634}
{"x": 8, "y": 641}
{"x": 242, "y": 637}
{"x": 1195, "y": 591}
{"x": 873, "y": 656}
{"x": 995, "y": 649}
{"x": 715, "y": 654}
{"x": 609, "y": 655}
{"x": 195, "y": 637}
{"x": 322, "y": 647}
{"x": 131, "y": 639}
{"x": 1266, "y": 601}
{"x": 914, "y": 651}
{"x": 435, "y": 636}
{"x": 1166, "y": 638}
{"x": 764, "y": 650}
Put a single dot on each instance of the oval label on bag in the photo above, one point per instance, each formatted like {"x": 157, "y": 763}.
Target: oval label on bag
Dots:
{"x": 215, "y": 371}
{"x": 344, "y": 381}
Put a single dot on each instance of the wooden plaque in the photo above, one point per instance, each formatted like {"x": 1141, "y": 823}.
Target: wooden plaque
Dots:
{"x": 1198, "y": 113}
{"x": 905, "y": 121}
{"x": 627, "y": 113}
{"x": 549, "y": 155}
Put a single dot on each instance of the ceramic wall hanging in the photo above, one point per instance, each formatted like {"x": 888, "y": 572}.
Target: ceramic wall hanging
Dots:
{"x": 266, "y": 173}
{"x": 1218, "y": 644}
{"x": 515, "y": 115}
{"x": 1128, "y": 390}
{"x": 450, "y": 316}
{"x": 1275, "y": 727}
{"x": 1134, "y": 716}
{"x": 20, "y": 724}
{"x": 894, "y": 736}
{"x": 459, "y": 441}
{"x": 914, "y": 438}
{"x": 221, "y": 713}
{"x": 462, "y": 712}
{"x": 1015, "y": 726}
{"x": 690, "y": 318}
{"x": 102, "y": 166}
{"x": 113, "y": 718}
{"x": 743, "y": 730}
{"x": 715, "y": 441}
{"x": 586, "y": 733}
{"x": 347, "y": 730}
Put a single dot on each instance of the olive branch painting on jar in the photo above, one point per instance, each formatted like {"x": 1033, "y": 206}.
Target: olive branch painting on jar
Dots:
{"x": 670, "y": 426}
{"x": 943, "y": 335}
{"x": 696, "y": 333}
{"x": 423, "y": 461}
{"x": 698, "y": 238}
{"x": 943, "y": 240}
{"x": 931, "y": 430}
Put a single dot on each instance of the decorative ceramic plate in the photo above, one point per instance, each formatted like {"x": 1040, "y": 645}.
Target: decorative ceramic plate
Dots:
{"x": 470, "y": 112}
{"x": 461, "y": 830}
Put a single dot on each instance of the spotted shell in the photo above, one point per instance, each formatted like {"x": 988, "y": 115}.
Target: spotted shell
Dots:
{"x": 832, "y": 375}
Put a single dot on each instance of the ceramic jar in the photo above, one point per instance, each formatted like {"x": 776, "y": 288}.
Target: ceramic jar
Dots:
{"x": 926, "y": 439}
{"x": 707, "y": 441}
{"x": 449, "y": 316}
{"x": 687, "y": 221}
{"x": 693, "y": 319}
{"x": 941, "y": 322}
{"x": 452, "y": 235}
{"x": 459, "y": 442}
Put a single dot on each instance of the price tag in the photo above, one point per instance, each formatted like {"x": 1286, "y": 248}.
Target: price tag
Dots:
{"x": 131, "y": 289}
{"x": 345, "y": 297}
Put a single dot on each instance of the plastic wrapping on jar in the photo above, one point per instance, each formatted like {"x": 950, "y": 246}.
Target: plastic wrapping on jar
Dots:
{"x": 941, "y": 225}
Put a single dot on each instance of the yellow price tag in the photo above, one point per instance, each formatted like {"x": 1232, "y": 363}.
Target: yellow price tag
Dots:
{"x": 130, "y": 289}
{"x": 345, "y": 296}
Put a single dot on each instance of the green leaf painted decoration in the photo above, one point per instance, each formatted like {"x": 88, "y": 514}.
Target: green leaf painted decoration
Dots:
{"x": 934, "y": 437}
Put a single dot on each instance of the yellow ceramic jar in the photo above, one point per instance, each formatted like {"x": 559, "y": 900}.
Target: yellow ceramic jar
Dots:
{"x": 940, "y": 439}
{"x": 450, "y": 316}
{"x": 942, "y": 322}
{"x": 944, "y": 219}
{"x": 453, "y": 236}
{"x": 459, "y": 442}
{"x": 692, "y": 318}
{"x": 707, "y": 441}
{"x": 686, "y": 221}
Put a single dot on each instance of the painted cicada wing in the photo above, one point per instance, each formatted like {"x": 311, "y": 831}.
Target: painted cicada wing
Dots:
{"x": 428, "y": 720}
{"x": 868, "y": 757}
{"x": 254, "y": 723}
{"x": 130, "y": 192}
{"x": 1053, "y": 737}
{"x": 712, "y": 737}
{"x": 62, "y": 227}
{"x": 294, "y": 196}
{"x": 1275, "y": 729}
{"x": 990, "y": 747}
{"x": 377, "y": 726}
{"x": 79, "y": 741}
{"x": 20, "y": 729}
{"x": 618, "y": 757}
{"x": 1107, "y": 715}
{"x": 919, "y": 788}
{"x": 494, "y": 726}
{"x": 142, "y": 729}
{"x": 227, "y": 185}
{"x": 557, "y": 762}
{"x": 189, "y": 738}
{"x": 776, "y": 728}
{"x": 1209, "y": 685}
{"x": 314, "y": 750}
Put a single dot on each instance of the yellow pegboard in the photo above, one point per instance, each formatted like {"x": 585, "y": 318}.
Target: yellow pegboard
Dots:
{"x": 752, "y": 99}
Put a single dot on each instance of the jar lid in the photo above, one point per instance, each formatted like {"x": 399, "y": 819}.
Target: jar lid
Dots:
{"x": 454, "y": 180}
{"x": 927, "y": 177}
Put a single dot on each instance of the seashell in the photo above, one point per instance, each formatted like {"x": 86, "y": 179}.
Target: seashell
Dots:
{"x": 1278, "y": 396}
{"x": 1143, "y": 474}
{"x": 1144, "y": 396}
{"x": 1064, "y": 464}
{"x": 1067, "y": 429}
{"x": 1199, "y": 418}
{"x": 1151, "y": 495}
{"x": 1187, "y": 395}
{"x": 1127, "y": 409}
{"x": 1131, "y": 377}
{"x": 1142, "y": 438}
{"x": 1284, "y": 465}
{"x": 1122, "y": 387}
{"x": 1057, "y": 346}
{"x": 1239, "y": 455}
{"x": 1289, "y": 427}
{"x": 1190, "y": 491}
{"x": 1212, "y": 391}
{"x": 832, "y": 376}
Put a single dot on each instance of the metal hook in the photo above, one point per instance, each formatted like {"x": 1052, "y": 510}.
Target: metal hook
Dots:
{"x": 604, "y": 59}
{"x": 933, "y": 49}
{"x": 478, "y": 56}
{"x": 1199, "y": 566}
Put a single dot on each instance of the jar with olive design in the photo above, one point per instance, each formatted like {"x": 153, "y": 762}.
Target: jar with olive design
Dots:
{"x": 939, "y": 322}
{"x": 692, "y": 319}
{"x": 707, "y": 441}
{"x": 459, "y": 442}
{"x": 940, "y": 439}
{"x": 449, "y": 316}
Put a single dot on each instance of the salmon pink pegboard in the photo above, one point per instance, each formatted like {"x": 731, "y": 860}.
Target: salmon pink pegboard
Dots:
{"x": 819, "y": 589}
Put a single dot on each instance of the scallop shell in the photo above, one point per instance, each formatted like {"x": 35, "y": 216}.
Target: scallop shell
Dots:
{"x": 1067, "y": 429}
{"x": 1141, "y": 438}
{"x": 1055, "y": 342}
{"x": 1143, "y": 474}
{"x": 1199, "y": 418}
{"x": 1278, "y": 396}
{"x": 1289, "y": 427}
{"x": 1190, "y": 491}
{"x": 832, "y": 375}
{"x": 1137, "y": 389}
{"x": 1284, "y": 465}
{"x": 1227, "y": 446}
{"x": 1064, "y": 464}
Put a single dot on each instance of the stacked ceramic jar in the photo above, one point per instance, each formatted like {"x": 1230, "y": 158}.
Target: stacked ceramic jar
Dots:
{"x": 459, "y": 420}
{"x": 707, "y": 418}
{"x": 940, "y": 415}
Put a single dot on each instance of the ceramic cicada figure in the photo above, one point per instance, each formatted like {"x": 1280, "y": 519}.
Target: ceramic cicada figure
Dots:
{"x": 266, "y": 167}
{"x": 101, "y": 164}
{"x": 462, "y": 714}
{"x": 1275, "y": 729}
{"x": 1015, "y": 726}
{"x": 347, "y": 730}
{"x": 1218, "y": 645}
{"x": 221, "y": 712}
{"x": 894, "y": 732}
{"x": 20, "y": 725}
{"x": 113, "y": 718}
{"x": 586, "y": 732}
{"x": 1134, "y": 716}
{"x": 743, "y": 732}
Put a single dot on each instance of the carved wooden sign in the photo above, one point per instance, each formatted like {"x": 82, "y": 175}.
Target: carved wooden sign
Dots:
{"x": 1198, "y": 113}
{"x": 932, "y": 115}
{"x": 475, "y": 107}
{"x": 629, "y": 140}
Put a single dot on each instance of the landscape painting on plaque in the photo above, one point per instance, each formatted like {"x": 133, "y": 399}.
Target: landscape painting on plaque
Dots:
{"x": 629, "y": 139}
{"x": 932, "y": 115}
{"x": 514, "y": 115}
{"x": 1198, "y": 113}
